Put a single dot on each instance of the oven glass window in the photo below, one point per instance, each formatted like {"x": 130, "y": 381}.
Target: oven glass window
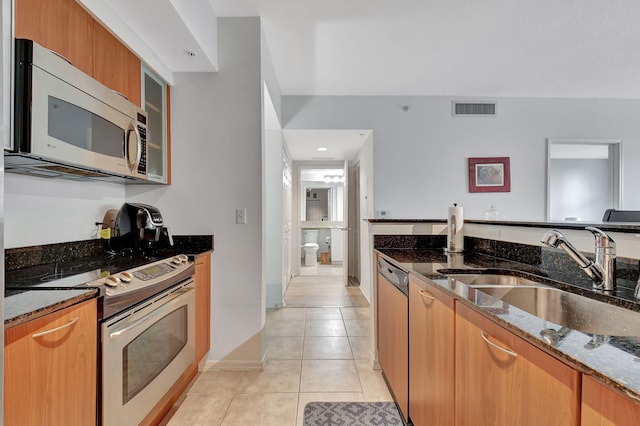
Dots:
{"x": 77, "y": 126}
{"x": 147, "y": 355}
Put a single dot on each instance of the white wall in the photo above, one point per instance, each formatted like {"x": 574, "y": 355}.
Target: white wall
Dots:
{"x": 421, "y": 154}
{"x": 365, "y": 158}
{"x": 272, "y": 217}
{"x": 273, "y": 191}
{"x": 580, "y": 187}
{"x": 47, "y": 211}
{"x": 216, "y": 168}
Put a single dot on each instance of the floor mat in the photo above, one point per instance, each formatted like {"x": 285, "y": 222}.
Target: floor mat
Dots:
{"x": 351, "y": 413}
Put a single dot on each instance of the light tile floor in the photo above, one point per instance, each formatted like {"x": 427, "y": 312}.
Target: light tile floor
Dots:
{"x": 315, "y": 354}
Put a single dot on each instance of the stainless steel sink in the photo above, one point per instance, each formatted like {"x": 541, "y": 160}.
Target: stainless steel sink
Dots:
{"x": 567, "y": 309}
{"x": 492, "y": 279}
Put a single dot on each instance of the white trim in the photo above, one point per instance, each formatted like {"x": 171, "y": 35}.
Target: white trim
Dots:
{"x": 235, "y": 365}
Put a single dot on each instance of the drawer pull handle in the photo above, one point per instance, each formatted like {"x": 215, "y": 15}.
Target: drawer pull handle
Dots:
{"x": 426, "y": 295}
{"x": 53, "y": 330}
{"x": 486, "y": 339}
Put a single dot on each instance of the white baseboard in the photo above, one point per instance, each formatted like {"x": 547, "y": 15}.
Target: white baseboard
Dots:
{"x": 235, "y": 365}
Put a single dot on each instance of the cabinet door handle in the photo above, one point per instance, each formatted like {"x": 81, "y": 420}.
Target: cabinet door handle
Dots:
{"x": 426, "y": 295}
{"x": 53, "y": 330}
{"x": 486, "y": 339}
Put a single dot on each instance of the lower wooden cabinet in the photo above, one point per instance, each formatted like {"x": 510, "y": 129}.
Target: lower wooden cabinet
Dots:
{"x": 431, "y": 355}
{"x": 501, "y": 379}
{"x": 393, "y": 337}
{"x": 203, "y": 306}
{"x": 50, "y": 369}
{"x": 602, "y": 406}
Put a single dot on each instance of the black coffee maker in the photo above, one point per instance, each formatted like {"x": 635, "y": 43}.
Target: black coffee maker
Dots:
{"x": 140, "y": 227}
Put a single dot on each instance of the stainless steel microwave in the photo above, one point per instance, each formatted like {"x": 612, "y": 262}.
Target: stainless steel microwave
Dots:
{"x": 67, "y": 124}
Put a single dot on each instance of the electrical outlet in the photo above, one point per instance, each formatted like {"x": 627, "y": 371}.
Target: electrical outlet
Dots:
{"x": 95, "y": 219}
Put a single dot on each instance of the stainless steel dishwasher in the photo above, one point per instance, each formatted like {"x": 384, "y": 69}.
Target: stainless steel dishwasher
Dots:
{"x": 396, "y": 276}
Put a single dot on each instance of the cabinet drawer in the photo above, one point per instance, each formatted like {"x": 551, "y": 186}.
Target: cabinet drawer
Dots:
{"x": 602, "y": 406}
{"x": 501, "y": 379}
{"x": 50, "y": 368}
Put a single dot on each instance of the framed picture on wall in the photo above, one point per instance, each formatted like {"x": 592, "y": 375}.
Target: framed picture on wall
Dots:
{"x": 489, "y": 174}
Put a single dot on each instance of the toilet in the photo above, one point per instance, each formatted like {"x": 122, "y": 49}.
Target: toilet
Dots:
{"x": 310, "y": 247}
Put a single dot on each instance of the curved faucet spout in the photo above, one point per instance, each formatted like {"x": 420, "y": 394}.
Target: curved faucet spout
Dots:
{"x": 601, "y": 272}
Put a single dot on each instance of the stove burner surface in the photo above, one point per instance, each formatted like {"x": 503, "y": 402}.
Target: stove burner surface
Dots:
{"x": 70, "y": 273}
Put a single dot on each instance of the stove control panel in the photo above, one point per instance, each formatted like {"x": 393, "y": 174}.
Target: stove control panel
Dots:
{"x": 143, "y": 276}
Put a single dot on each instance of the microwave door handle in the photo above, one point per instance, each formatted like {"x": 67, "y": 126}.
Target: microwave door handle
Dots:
{"x": 133, "y": 163}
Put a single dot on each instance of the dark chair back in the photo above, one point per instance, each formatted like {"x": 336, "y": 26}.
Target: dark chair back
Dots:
{"x": 613, "y": 215}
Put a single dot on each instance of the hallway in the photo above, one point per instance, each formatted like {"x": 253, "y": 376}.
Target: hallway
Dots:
{"x": 318, "y": 350}
{"x": 322, "y": 286}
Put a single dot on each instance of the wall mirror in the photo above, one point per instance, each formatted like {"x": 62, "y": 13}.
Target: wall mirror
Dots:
{"x": 583, "y": 178}
{"x": 317, "y": 204}
{"x": 322, "y": 194}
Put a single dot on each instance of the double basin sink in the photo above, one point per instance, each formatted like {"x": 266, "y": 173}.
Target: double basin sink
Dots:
{"x": 558, "y": 306}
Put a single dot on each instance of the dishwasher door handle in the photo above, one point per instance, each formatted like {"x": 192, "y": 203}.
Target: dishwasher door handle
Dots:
{"x": 395, "y": 275}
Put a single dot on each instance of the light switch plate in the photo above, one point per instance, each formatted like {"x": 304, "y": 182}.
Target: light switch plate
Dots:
{"x": 241, "y": 216}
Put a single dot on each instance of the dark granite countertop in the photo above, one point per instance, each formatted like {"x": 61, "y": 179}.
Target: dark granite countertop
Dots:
{"x": 23, "y": 306}
{"x": 626, "y": 227}
{"x": 42, "y": 279}
{"x": 615, "y": 362}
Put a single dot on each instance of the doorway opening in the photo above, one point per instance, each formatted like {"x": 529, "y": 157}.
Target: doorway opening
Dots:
{"x": 323, "y": 211}
{"x": 583, "y": 178}
{"x": 331, "y": 192}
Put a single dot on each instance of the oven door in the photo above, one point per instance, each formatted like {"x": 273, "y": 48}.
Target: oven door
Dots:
{"x": 145, "y": 350}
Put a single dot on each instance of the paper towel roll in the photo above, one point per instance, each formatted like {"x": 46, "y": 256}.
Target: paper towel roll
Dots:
{"x": 455, "y": 229}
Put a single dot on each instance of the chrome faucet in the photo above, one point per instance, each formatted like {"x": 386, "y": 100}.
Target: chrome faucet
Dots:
{"x": 555, "y": 337}
{"x": 602, "y": 271}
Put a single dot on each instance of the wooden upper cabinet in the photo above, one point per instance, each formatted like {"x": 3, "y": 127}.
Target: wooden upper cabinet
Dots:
{"x": 602, "y": 406}
{"x": 66, "y": 28}
{"x": 50, "y": 369}
{"x": 59, "y": 25}
{"x": 115, "y": 65}
{"x": 155, "y": 101}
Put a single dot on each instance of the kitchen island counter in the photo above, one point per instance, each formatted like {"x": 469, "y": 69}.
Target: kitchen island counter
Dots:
{"x": 612, "y": 361}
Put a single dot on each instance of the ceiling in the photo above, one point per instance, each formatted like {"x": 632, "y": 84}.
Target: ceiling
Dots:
{"x": 541, "y": 48}
{"x": 340, "y": 144}
{"x": 168, "y": 35}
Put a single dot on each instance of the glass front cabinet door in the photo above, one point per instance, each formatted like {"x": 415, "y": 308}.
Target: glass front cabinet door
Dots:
{"x": 154, "y": 102}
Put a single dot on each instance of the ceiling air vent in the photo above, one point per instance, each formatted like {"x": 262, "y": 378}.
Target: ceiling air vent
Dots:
{"x": 484, "y": 109}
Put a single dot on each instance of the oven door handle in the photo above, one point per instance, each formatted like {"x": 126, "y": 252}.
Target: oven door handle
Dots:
{"x": 167, "y": 305}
